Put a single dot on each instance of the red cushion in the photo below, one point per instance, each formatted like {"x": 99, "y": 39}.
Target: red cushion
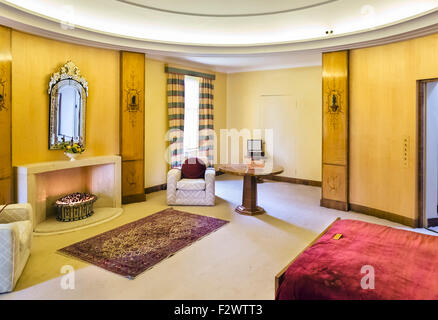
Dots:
{"x": 193, "y": 168}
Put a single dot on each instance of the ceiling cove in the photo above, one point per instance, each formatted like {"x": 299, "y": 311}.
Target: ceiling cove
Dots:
{"x": 249, "y": 13}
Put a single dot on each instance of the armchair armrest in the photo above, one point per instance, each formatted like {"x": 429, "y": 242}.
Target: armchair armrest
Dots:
{"x": 8, "y": 256}
{"x": 210, "y": 177}
{"x": 173, "y": 176}
{"x": 15, "y": 245}
{"x": 16, "y": 212}
{"x": 210, "y": 174}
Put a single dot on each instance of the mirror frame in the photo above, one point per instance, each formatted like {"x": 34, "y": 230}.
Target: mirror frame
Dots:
{"x": 67, "y": 72}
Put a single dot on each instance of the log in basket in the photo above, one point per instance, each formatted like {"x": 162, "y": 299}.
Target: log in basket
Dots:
{"x": 75, "y": 206}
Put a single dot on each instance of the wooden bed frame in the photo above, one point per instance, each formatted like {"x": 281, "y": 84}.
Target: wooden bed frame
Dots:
{"x": 280, "y": 276}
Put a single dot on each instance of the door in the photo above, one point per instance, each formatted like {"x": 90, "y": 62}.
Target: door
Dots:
{"x": 431, "y": 153}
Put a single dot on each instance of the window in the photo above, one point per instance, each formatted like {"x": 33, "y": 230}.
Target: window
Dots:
{"x": 191, "y": 116}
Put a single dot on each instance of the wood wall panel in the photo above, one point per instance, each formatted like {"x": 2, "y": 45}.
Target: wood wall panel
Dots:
{"x": 132, "y": 125}
{"x": 133, "y": 172}
{"x": 35, "y": 59}
{"x": 334, "y": 186}
{"x": 6, "y": 176}
{"x": 6, "y": 195}
{"x": 335, "y": 140}
{"x": 383, "y": 104}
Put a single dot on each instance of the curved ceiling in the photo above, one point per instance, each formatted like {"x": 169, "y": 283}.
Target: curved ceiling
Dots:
{"x": 226, "y": 8}
{"x": 206, "y": 31}
{"x": 226, "y": 22}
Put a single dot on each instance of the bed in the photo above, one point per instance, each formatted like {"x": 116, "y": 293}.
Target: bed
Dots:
{"x": 404, "y": 265}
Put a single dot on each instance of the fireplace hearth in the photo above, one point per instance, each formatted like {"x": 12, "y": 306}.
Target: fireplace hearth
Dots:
{"x": 75, "y": 206}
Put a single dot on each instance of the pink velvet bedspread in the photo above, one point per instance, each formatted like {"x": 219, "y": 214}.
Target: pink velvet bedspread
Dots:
{"x": 405, "y": 265}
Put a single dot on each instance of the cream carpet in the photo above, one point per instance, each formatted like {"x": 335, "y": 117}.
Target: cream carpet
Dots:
{"x": 239, "y": 261}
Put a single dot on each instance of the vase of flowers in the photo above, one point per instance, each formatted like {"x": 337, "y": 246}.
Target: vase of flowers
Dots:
{"x": 72, "y": 149}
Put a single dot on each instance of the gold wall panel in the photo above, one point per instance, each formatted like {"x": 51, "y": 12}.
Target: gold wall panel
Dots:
{"x": 383, "y": 105}
{"x": 6, "y": 195}
{"x": 132, "y": 129}
{"x": 6, "y": 176}
{"x": 34, "y": 60}
{"x": 132, "y": 172}
{"x": 335, "y": 106}
{"x": 333, "y": 185}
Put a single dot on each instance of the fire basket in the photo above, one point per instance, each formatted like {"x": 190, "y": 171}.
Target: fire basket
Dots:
{"x": 75, "y": 206}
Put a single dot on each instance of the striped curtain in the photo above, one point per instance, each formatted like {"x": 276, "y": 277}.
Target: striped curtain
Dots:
{"x": 175, "y": 105}
{"x": 206, "y": 127}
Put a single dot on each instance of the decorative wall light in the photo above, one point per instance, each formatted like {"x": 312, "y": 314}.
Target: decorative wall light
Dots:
{"x": 133, "y": 100}
{"x": 2, "y": 90}
{"x": 334, "y": 108}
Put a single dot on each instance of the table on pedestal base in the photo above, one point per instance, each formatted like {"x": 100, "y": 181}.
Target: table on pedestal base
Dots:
{"x": 250, "y": 175}
{"x": 249, "y": 199}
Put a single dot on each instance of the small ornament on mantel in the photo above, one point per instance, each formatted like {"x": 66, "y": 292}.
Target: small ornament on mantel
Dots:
{"x": 72, "y": 149}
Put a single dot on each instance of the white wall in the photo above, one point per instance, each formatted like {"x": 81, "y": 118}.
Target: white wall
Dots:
{"x": 289, "y": 101}
{"x": 293, "y": 146}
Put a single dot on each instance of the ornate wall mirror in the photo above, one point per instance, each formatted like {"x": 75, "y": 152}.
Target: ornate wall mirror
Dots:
{"x": 68, "y": 92}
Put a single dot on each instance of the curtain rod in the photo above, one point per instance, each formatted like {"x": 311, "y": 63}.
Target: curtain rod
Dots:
{"x": 168, "y": 69}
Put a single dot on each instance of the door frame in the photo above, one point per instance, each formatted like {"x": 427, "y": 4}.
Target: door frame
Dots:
{"x": 421, "y": 151}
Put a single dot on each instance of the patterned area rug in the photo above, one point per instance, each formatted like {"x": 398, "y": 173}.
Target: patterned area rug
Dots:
{"x": 135, "y": 247}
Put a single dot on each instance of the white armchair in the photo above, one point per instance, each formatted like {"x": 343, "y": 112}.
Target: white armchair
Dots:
{"x": 15, "y": 243}
{"x": 190, "y": 192}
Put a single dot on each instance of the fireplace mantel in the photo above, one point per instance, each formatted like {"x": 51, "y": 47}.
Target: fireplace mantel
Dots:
{"x": 40, "y": 184}
{"x": 41, "y": 167}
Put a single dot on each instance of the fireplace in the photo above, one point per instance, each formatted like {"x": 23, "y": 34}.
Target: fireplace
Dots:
{"x": 75, "y": 206}
{"x": 42, "y": 184}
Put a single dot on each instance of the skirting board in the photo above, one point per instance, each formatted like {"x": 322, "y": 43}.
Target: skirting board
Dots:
{"x": 295, "y": 181}
{"x": 134, "y": 198}
{"x": 333, "y": 204}
{"x": 385, "y": 215}
{"x": 432, "y": 222}
{"x": 155, "y": 188}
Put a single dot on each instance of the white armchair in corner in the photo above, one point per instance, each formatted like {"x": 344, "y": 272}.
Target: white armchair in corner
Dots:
{"x": 15, "y": 242}
{"x": 191, "y": 192}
